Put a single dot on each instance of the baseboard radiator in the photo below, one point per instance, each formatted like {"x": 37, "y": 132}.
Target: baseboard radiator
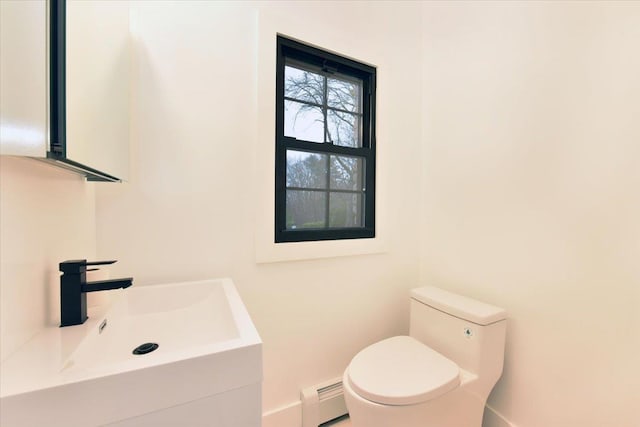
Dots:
{"x": 323, "y": 402}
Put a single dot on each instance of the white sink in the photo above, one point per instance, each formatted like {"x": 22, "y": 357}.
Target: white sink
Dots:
{"x": 208, "y": 351}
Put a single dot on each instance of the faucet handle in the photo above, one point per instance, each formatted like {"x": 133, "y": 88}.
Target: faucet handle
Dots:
{"x": 100, "y": 262}
{"x": 78, "y": 265}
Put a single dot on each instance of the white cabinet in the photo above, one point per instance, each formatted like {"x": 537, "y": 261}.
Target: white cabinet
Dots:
{"x": 65, "y": 86}
{"x": 23, "y": 78}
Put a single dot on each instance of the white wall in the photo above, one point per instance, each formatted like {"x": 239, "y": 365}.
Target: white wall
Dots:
{"x": 201, "y": 158}
{"x": 531, "y": 195}
{"x": 47, "y": 215}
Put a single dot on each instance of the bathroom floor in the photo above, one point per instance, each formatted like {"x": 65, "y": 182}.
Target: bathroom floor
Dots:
{"x": 341, "y": 422}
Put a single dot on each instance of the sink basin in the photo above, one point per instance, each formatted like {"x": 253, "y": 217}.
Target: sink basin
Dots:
{"x": 88, "y": 375}
{"x": 183, "y": 319}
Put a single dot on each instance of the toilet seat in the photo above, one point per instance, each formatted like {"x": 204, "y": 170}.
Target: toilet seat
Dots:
{"x": 401, "y": 371}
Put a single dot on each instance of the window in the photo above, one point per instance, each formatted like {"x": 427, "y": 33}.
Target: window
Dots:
{"x": 325, "y": 145}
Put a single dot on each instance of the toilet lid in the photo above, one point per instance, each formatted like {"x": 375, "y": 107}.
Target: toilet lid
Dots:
{"x": 401, "y": 371}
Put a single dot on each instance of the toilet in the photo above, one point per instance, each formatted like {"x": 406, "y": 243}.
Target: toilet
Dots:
{"x": 438, "y": 376}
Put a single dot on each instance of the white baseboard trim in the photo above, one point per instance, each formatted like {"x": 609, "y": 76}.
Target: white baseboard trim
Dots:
{"x": 493, "y": 418}
{"x": 291, "y": 416}
{"x": 286, "y": 416}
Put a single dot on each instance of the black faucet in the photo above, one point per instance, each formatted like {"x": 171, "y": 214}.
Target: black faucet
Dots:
{"x": 74, "y": 288}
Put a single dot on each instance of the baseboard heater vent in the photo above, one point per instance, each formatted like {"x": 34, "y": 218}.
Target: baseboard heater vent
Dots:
{"x": 323, "y": 402}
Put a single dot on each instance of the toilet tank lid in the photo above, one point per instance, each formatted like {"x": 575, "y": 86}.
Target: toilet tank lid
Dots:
{"x": 401, "y": 371}
{"x": 459, "y": 306}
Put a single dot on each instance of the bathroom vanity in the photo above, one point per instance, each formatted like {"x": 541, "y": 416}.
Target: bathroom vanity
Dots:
{"x": 205, "y": 370}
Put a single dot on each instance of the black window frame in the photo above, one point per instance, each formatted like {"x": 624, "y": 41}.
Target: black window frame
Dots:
{"x": 329, "y": 63}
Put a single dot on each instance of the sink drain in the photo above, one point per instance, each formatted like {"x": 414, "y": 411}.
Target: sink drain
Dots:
{"x": 145, "y": 348}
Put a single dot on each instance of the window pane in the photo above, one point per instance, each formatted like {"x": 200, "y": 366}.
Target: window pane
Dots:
{"x": 306, "y": 209}
{"x": 345, "y": 210}
{"x": 303, "y": 121}
{"x": 303, "y": 85}
{"x": 346, "y": 173}
{"x": 345, "y": 95}
{"x": 308, "y": 170}
{"x": 343, "y": 128}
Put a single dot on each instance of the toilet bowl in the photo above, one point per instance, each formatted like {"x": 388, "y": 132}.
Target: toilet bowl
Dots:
{"x": 438, "y": 376}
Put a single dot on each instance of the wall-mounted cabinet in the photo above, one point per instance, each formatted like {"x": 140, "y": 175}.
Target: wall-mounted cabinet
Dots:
{"x": 64, "y": 84}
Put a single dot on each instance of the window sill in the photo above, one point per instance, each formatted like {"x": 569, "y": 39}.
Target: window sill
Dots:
{"x": 299, "y": 251}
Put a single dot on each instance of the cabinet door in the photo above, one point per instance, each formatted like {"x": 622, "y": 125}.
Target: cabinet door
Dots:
{"x": 23, "y": 78}
{"x": 98, "y": 60}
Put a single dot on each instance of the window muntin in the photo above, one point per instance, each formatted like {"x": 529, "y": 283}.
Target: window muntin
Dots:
{"x": 325, "y": 145}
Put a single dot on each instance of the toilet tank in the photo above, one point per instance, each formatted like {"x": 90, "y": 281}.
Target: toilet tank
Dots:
{"x": 468, "y": 332}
